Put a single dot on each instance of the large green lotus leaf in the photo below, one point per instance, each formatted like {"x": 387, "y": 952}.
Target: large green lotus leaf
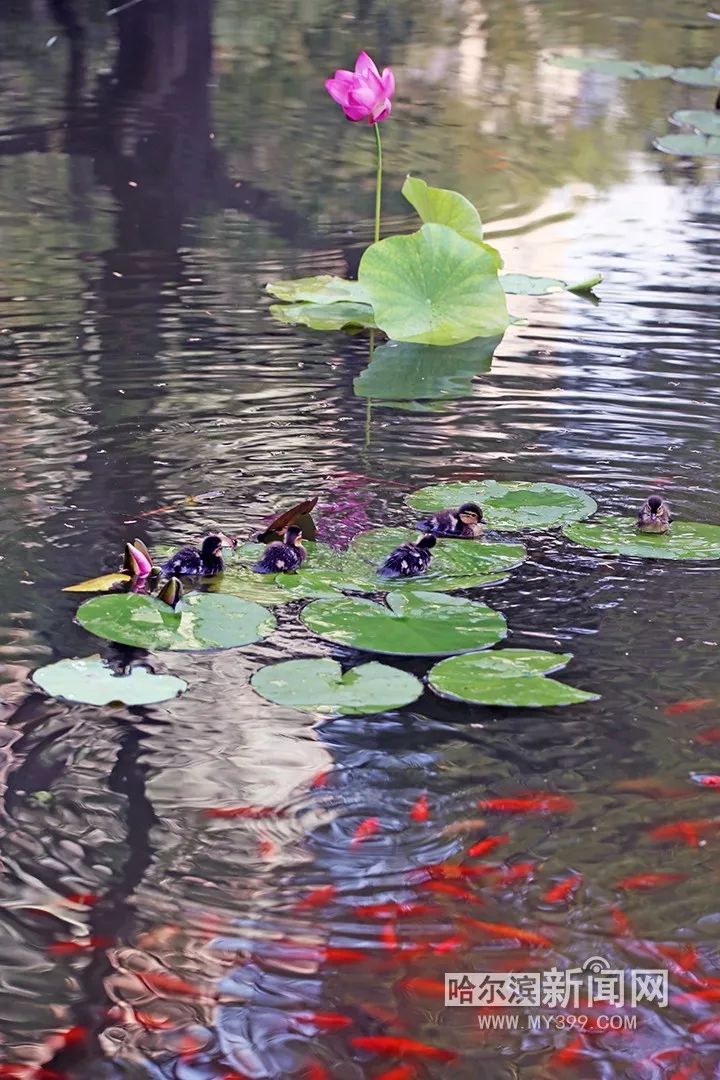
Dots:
{"x": 321, "y": 686}
{"x": 406, "y": 371}
{"x": 409, "y": 624}
{"x": 93, "y": 682}
{"x": 453, "y": 561}
{"x": 200, "y": 621}
{"x": 434, "y": 287}
{"x": 695, "y": 76}
{"x": 509, "y": 506}
{"x": 625, "y": 69}
{"x": 619, "y": 536}
{"x": 444, "y": 207}
{"x": 525, "y": 285}
{"x": 339, "y": 316}
{"x": 324, "y": 289}
{"x": 513, "y": 678}
{"x": 705, "y": 120}
{"x": 689, "y": 144}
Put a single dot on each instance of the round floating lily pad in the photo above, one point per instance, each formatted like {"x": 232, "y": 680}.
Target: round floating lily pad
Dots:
{"x": 509, "y": 506}
{"x": 705, "y": 120}
{"x": 200, "y": 621}
{"x": 624, "y": 69}
{"x": 686, "y": 144}
{"x": 696, "y": 76}
{"x": 93, "y": 682}
{"x": 512, "y": 677}
{"x": 619, "y": 536}
{"x": 239, "y": 580}
{"x": 455, "y": 564}
{"x": 409, "y": 624}
{"x": 321, "y": 686}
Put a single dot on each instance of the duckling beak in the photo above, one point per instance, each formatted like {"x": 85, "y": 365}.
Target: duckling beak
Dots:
{"x": 171, "y": 593}
{"x": 227, "y": 541}
{"x": 136, "y": 562}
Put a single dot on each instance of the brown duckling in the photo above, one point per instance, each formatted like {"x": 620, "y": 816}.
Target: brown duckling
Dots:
{"x": 283, "y": 556}
{"x": 463, "y": 523}
{"x": 654, "y": 516}
{"x": 409, "y": 559}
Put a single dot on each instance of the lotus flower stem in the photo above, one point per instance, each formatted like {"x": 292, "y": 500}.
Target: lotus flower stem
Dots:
{"x": 378, "y": 182}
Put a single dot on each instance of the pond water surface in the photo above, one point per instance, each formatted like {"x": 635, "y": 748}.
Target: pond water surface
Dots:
{"x": 157, "y": 168}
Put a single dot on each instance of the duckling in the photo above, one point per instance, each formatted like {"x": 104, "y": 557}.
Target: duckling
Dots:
{"x": 463, "y": 523}
{"x": 189, "y": 562}
{"x": 283, "y": 556}
{"x": 171, "y": 593}
{"x": 409, "y": 559}
{"x": 654, "y": 516}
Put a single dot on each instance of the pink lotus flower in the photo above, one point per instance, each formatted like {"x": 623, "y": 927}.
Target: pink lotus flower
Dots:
{"x": 363, "y": 94}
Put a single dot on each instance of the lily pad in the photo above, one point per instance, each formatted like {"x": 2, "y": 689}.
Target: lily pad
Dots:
{"x": 689, "y": 145}
{"x": 455, "y": 564}
{"x": 93, "y": 682}
{"x": 705, "y": 120}
{"x": 200, "y": 621}
{"x": 323, "y": 289}
{"x": 619, "y": 536}
{"x": 434, "y": 287}
{"x": 695, "y": 76}
{"x": 406, "y": 371}
{"x": 409, "y": 624}
{"x": 239, "y": 580}
{"x": 338, "y": 316}
{"x": 625, "y": 69}
{"x": 444, "y": 207}
{"x": 525, "y": 285}
{"x": 104, "y": 583}
{"x": 321, "y": 686}
{"x": 512, "y": 677}
{"x": 509, "y": 506}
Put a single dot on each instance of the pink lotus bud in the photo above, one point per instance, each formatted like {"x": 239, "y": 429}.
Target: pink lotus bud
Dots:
{"x": 363, "y": 94}
{"x": 136, "y": 561}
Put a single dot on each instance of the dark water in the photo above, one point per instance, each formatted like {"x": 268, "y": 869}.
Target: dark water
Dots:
{"x": 156, "y": 169}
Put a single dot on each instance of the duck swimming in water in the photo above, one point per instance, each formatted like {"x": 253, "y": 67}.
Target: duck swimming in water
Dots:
{"x": 283, "y": 556}
{"x": 654, "y": 516}
{"x": 409, "y": 559}
{"x": 463, "y": 523}
{"x": 189, "y": 562}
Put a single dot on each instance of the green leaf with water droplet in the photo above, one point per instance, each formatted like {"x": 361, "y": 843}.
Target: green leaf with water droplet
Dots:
{"x": 92, "y": 681}
{"x": 321, "y": 686}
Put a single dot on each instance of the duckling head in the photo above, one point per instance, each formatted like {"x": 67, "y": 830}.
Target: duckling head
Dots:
{"x": 470, "y": 513}
{"x": 293, "y": 535}
{"x": 211, "y": 552}
{"x": 654, "y": 504}
{"x": 427, "y": 542}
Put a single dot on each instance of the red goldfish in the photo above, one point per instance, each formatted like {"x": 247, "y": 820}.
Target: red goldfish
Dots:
{"x": 420, "y": 810}
{"x": 343, "y": 956}
{"x": 519, "y": 872}
{"x": 691, "y": 705}
{"x": 394, "y": 910}
{"x": 325, "y": 1021}
{"x": 620, "y": 921}
{"x": 484, "y": 847}
{"x": 710, "y": 780}
{"x": 708, "y": 735}
{"x": 322, "y": 895}
{"x": 164, "y": 982}
{"x": 365, "y": 829}
{"x": 320, "y": 779}
{"x": 448, "y": 889}
{"x": 396, "y": 1046}
{"x": 85, "y": 898}
{"x": 537, "y": 803}
{"x": 649, "y": 881}
{"x": 501, "y": 930}
{"x": 400, "y": 1072}
{"x": 429, "y": 987}
{"x": 563, "y": 890}
{"x": 388, "y": 936}
{"x": 687, "y": 831}
{"x": 569, "y": 1054}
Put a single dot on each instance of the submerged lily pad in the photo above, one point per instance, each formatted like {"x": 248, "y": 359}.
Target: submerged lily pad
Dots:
{"x": 337, "y": 316}
{"x": 509, "y": 506}
{"x": 321, "y": 686}
{"x": 512, "y": 677}
{"x": 444, "y": 207}
{"x": 455, "y": 564}
{"x": 625, "y": 69}
{"x": 323, "y": 289}
{"x": 93, "y": 682}
{"x": 525, "y": 285}
{"x": 200, "y": 621}
{"x": 619, "y": 536}
{"x": 104, "y": 583}
{"x": 409, "y": 624}
{"x": 689, "y": 144}
{"x": 434, "y": 287}
{"x": 407, "y": 371}
{"x": 705, "y": 120}
{"x": 696, "y": 76}
{"x": 239, "y": 580}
